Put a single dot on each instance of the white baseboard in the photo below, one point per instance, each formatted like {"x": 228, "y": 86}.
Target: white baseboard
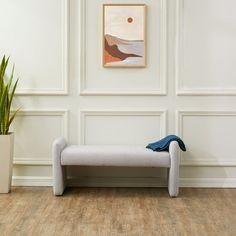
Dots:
{"x": 126, "y": 182}
{"x": 31, "y": 181}
{"x": 208, "y": 182}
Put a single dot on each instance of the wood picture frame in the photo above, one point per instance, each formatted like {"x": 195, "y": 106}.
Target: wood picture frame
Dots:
{"x": 124, "y": 35}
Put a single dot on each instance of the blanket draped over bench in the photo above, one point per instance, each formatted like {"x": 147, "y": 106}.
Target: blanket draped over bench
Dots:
{"x": 126, "y": 156}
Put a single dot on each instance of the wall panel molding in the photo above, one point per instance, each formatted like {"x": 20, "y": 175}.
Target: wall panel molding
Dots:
{"x": 63, "y": 114}
{"x": 179, "y": 62}
{"x": 63, "y": 90}
{"x": 83, "y": 90}
{"x": 86, "y": 113}
{"x": 180, "y": 114}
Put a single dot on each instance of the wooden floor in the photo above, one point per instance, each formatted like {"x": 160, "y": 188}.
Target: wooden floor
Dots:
{"x": 118, "y": 211}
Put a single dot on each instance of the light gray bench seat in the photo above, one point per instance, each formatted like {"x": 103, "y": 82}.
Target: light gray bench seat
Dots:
{"x": 93, "y": 155}
{"x": 126, "y": 156}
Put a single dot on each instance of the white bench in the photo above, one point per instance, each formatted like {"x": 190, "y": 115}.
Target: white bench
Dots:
{"x": 129, "y": 156}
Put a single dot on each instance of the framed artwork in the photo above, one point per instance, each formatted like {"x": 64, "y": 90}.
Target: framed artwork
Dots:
{"x": 124, "y": 35}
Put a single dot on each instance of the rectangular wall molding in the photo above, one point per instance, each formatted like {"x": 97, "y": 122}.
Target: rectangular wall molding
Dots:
{"x": 63, "y": 114}
{"x": 84, "y": 90}
{"x": 136, "y": 113}
{"x": 200, "y": 161}
{"x": 182, "y": 89}
{"x": 64, "y": 71}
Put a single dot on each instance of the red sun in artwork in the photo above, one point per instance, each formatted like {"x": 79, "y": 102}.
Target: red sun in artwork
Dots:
{"x": 130, "y": 19}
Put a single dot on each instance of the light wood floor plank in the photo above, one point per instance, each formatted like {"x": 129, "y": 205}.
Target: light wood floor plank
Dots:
{"x": 118, "y": 211}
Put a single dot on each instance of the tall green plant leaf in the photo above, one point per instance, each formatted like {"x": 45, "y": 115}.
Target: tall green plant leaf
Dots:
{"x": 3, "y": 105}
{"x": 7, "y": 92}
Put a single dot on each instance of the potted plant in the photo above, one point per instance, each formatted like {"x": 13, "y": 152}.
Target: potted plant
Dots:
{"x": 7, "y": 91}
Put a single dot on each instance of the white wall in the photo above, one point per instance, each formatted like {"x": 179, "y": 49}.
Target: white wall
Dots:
{"x": 188, "y": 88}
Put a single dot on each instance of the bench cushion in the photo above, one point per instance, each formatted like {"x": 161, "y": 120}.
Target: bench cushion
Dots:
{"x": 93, "y": 155}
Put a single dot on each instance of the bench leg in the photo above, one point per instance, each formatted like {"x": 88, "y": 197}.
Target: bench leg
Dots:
{"x": 59, "y": 171}
{"x": 173, "y": 176}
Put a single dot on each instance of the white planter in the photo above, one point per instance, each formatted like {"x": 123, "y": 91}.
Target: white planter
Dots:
{"x": 6, "y": 162}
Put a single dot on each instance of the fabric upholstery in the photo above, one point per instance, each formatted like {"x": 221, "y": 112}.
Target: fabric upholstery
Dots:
{"x": 59, "y": 171}
{"x": 87, "y": 155}
{"x": 173, "y": 181}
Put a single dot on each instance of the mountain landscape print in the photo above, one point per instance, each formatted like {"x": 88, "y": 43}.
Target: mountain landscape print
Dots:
{"x": 124, "y": 35}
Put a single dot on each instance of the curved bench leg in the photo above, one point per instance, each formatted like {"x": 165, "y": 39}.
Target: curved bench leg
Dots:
{"x": 59, "y": 171}
{"x": 173, "y": 177}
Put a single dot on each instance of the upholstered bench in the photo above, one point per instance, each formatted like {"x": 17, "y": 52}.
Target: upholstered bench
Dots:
{"x": 129, "y": 156}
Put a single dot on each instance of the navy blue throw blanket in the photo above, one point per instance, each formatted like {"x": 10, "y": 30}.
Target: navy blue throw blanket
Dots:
{"x": 163, "y": 144}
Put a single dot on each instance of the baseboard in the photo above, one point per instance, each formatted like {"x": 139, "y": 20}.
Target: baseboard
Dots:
{"x": 31, "y": 181}
{"x": 208, "y": 182}
{"x": 126, "y": 182}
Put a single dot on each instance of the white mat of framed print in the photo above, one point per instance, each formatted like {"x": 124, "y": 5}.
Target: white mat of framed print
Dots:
{"x": 124, "y": 35}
